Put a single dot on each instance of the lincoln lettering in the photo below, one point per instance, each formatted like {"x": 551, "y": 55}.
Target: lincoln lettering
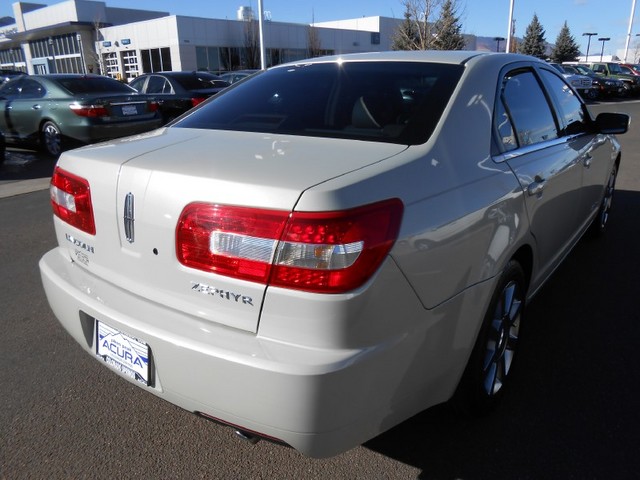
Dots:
{"x": 79, "y": 243}
{"x": 225, "y": 294}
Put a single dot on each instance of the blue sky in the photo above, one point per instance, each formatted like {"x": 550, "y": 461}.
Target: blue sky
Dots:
{"x": 609, "y": 18}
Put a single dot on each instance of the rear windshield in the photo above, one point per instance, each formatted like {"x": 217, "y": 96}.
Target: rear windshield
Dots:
{"x": 200, "y": 82}
{"x": 80, "y": 85}
{"x": 398, "y": 102}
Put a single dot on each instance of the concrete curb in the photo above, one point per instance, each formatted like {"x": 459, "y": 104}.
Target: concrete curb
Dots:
{"x": 19, "y": 187}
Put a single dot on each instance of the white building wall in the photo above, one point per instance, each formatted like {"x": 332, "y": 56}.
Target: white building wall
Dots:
{"x": 365, "y": 24}
{"x": 84, "y": 11}
{"x": 58, "y": 13}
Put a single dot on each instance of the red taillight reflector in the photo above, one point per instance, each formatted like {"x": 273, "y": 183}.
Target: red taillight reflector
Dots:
{"x": 326, "y": 252}
{"x": 91, "y": 111}
{"x": 216, "y": 238}
{"x": 197, "y": 100}
{"x": 71, "y": 200}
{"x": 154, "y": 106}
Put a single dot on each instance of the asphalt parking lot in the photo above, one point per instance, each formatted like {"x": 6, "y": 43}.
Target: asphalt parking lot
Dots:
{"x": 571, "y": 414}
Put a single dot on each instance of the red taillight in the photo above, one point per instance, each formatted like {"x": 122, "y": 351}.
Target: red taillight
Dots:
{"x": 92, "y": 111}
{"x": 197, "y": 100}
{"x": 154, "y": 106}
{"x": 71, "y": 200}
{"x": 327, "y": 252}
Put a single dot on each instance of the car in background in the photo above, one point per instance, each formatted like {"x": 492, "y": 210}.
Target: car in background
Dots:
{"x": 237, "y": 75}
{"x": 630, "y": 82}
{"x": 582, "y": 83}
{"x": 178, "y": 92}
{"x": 630, "y": 69}
{"x": 315, "y": 256}
{"x": 59, "y": 111}
{"x": 605, "y": 86}
{"x": 7, "y": 74}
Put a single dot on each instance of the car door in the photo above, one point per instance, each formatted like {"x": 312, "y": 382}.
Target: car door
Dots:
{"x": 8, "y": 94}
{"x": 26, "y": 109}
{"x": 547, "y": 167}
{"x": 593, "y": 149}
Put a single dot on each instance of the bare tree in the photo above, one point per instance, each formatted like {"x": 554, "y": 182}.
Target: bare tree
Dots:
{"x": 251, "y": 55}
{"x": 94, "y": 56}
{"x": 417, "y": 32}
{"x": 313, "y": 45}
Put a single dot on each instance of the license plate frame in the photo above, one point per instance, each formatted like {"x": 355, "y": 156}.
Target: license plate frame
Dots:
{"x": 124, "y": 353}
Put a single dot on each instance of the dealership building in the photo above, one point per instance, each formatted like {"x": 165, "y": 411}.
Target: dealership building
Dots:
{"x": 83, "y": 36}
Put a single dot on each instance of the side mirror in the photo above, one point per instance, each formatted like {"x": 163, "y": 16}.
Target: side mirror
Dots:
{"x": 616, "y": 123}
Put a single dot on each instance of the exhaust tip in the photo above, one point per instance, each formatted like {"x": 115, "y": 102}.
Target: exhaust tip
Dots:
{"x": 244, "y": 435}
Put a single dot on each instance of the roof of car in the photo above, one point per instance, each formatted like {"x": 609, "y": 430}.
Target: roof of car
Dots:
{"x": 457, "y": 57}
{"x": 183, "y": 73}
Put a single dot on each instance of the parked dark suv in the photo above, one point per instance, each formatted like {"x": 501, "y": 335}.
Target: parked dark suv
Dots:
{"x": 613, "y": 70}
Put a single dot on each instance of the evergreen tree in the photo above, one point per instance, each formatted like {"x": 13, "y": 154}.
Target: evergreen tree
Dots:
{"x": 533, "y": 42}
{"x": 406, "y": 37}
{"x": 566, "y": 48}
{"x": 447, "y": 29}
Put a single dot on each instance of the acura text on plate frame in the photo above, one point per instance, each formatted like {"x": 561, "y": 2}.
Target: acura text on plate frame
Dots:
{"x": 122, "y": 352}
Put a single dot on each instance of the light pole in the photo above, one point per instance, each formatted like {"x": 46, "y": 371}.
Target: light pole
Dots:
{"x": 53, "y": 54}
{"x": 626, "y": 45}
{"x": 510, "y": 31}
{"x": 498, "y": 40}
{"x": 603, "y": 39}
{"x": 79, "y": 39}
{"x": 588, "y": 34}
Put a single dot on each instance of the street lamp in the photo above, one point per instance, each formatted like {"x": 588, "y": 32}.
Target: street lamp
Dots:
{"x": 603, "y": 39}
{"x": 588, "y": 34}
{"x": 498, "y": 40}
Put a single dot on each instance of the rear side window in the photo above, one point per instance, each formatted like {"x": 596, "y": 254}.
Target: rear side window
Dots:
{"x": 398, "y": 102}
{"x": 158, "y": 84}
{"x": 523, "y": 114}
{"x": 199, "y": 81}
{"x": 571, "y": 109}
{"x": 80, "y": 85}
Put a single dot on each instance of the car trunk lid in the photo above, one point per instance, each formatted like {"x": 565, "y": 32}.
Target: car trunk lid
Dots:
{"x": 139, "y": 190}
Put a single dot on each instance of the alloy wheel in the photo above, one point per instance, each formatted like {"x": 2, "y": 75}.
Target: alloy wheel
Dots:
{"x": 502, "y": 338}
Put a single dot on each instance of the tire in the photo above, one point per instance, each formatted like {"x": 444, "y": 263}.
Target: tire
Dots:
{"x": 51, "y": 139}
{"x": 602, "y": 218}
{"x": 491, "y": 363}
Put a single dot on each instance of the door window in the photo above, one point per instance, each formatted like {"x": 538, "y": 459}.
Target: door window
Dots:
{"x": 525, "y": 104}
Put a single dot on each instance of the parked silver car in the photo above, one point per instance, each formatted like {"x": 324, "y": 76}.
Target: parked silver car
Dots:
{"x": 322, "y": 252}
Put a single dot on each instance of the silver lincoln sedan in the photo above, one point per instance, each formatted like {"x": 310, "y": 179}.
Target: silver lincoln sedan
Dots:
{"x": 320, "y": 253}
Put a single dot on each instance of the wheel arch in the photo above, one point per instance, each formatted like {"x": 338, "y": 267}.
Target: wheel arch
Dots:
{"x": 524, "y": 256}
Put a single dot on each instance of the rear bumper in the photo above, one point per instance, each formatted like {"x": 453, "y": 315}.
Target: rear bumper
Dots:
{"x": 98, "y": 132}
{"x": 320, "y": 401}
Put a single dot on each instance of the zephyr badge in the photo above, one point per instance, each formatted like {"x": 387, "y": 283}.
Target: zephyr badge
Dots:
{"x": 128, "y": 217}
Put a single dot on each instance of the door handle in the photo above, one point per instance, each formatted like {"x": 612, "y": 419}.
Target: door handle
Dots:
{"x": 586, "y": 160}
{"x": 536, "y": 187}
{"x": 36, "y": 107}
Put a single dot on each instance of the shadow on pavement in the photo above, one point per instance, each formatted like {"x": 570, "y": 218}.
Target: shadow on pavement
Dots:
{"x": 572, "y": 410}
{"x": 25, "y": 165}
